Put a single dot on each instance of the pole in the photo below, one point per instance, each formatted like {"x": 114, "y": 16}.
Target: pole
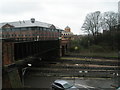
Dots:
{"x": 23, "y": 74}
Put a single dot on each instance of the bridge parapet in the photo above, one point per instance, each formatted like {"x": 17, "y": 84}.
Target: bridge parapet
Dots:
{"x": 16, "y": 55}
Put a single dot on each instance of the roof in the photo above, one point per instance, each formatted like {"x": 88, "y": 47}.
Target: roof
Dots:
{"x": 67, "y": 27}
{"x": 28, "y": 23}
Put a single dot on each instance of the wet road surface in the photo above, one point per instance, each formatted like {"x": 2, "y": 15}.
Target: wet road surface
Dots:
{"x": 90, "y": 77}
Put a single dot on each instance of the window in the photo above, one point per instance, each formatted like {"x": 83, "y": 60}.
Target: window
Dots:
{"x": 59, "y": 85}
{"x": 44, "y": 28}
{"x": 67, "y": 85}
{"x": 23, "y": 28}
{"x": 52, "y": 29}
{"x": 40, "y": 28}
{"x": 29, "y": 28}
{"x": 17, "y": 28}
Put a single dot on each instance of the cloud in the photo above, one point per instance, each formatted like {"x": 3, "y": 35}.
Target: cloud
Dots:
{"x": 13, "y": 7}
{"x": 58, "y": 12}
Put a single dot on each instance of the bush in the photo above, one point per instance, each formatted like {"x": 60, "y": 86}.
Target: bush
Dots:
{"x": 97, "y": 48}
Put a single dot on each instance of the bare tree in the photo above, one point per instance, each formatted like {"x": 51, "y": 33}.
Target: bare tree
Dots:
{"x": 109, "y": 19}
{"x": 92, "y": 23}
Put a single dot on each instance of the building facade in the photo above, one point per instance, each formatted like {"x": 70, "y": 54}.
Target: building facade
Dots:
{"x": 29, "y": 30}
{"x": 119, "y": 6}
{"x": 67, "y": 34}
{"x": 119, "y": 12}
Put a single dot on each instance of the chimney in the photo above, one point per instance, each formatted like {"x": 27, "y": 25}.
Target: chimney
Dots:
{"x": 32, "y": 20}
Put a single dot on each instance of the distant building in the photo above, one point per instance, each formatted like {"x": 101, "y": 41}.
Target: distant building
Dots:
{"x": 29, "y": 30}
{"x": 67, "y": 34}
{"x": 67, "y": 29}
{"x": 77, "y": 37}
{"x": 119, "y": 12}
{"x": 119, "y": 6}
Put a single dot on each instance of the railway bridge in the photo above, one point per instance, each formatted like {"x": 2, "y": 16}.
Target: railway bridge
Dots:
{"x": 27, "y": 42}
{"x": 17, "y": 55}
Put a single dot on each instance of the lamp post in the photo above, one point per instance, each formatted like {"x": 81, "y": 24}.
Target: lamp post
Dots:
{"x": 76, "y": 49}
{"x": 118, "y": 69}
{"x": 24, "y": 71}
{"x": 89, "y": 46}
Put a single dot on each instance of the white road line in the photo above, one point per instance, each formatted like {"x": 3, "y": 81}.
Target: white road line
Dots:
{"x": 84, "y": 86}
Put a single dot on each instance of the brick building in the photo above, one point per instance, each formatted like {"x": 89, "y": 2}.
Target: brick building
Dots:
{"x": 67, "y": 34}
{"x": 29, "y": 30}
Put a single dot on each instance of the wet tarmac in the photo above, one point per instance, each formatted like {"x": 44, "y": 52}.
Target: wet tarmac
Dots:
{"x": 94, "y": 77}
{"x": 86, "y": 83}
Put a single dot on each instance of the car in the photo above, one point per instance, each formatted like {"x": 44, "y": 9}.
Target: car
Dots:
{"x": 118, "y": 88}
{"x": 62, "y": 85}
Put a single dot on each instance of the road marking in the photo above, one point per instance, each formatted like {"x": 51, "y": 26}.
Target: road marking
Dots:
{"x": 84, "y": 86}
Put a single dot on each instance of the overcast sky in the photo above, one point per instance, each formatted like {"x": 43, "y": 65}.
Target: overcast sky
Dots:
{"x": 61, "y": 13}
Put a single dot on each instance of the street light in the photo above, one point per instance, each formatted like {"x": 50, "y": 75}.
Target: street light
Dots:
{"x": 84, "y": 72}
{"x": 29, "y": 64}
{"x": 76, "y": 49}
{"x": 80, "y": 71}
{"x": 60, "y": 38}
{"x": 24, "y": 71}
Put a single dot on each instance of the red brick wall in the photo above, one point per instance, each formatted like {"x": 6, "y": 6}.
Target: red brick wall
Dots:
{"x": 7, "y": 53}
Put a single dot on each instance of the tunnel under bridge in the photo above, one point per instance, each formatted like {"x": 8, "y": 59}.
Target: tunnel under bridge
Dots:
{"x": 16, "y": 56}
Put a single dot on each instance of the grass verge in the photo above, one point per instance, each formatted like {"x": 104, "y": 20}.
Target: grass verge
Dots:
{"x": 112, "y": 55}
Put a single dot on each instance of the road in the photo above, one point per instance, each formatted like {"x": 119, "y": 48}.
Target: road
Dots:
{"x": 86, "y": 83}
{"x": 93, "y": 76}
